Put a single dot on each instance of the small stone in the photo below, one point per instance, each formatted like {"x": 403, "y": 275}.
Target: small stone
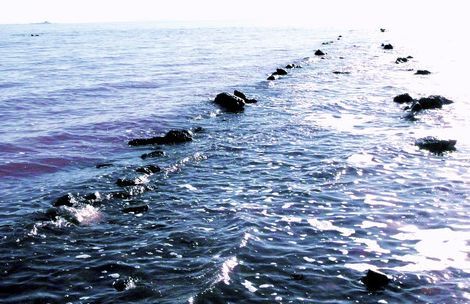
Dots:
{"x": 422, "y": 72}
{"x": 319, "y": 53}
{"x": 153, "y": 154}
{"x": 387, "y": 46}
{"x": 104, "y": 165}
{"x": 136, "y": 209}
{"x": 150, "y": 169}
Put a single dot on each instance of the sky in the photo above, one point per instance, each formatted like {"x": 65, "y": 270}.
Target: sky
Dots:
{"x": 357, "y": 13}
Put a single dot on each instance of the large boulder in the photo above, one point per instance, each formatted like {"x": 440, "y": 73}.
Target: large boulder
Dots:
{"x": 375, "y": 280}
{"x": 170, "y": 138}
{"x": 281, "y": 72}
{"x": 229, "y": 102}
{"x": 436, "y": 145}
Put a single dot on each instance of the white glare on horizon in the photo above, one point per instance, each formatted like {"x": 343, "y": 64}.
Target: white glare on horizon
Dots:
{"x": 261, "y": 12}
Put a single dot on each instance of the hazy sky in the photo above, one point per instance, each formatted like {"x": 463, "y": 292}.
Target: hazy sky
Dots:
{"x": 260, "y": 12}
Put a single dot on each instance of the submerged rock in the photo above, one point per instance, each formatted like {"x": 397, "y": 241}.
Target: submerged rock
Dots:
{"x": 435, "y": 145}
{"x": 104, "y": 165}
{"x": 243, "y": 96}
{"x": 65, "y": 200}
{"x": 136, "y": 209}
{"x": 120, "y": 195}
{"x": 289, "y": 66}
{"x": 375, "y": 280}
{"x": 297, "y": 276}
{"x": 170, "y": 138}
{"x": 339, "y": 72}
{"x": 431, "y": 102}
{"x": 387, "y": 46}
{"x": 422, "y": 72}
{"x": 153, "y": 154}
{"x": 229, "y": 102}
{"x": 403, "y": 98}
{"x": 319, "y": 53}
{"x": 382, "y": 30}
{"x": 150, "y": 169}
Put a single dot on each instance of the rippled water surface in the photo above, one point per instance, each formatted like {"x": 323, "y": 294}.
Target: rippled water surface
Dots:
{"x": 290, "y": 201}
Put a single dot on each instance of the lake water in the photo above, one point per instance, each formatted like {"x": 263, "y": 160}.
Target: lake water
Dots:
{"x": 290, "y": 201}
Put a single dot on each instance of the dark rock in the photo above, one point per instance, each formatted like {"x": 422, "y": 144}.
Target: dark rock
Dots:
{"x": 281, "y": 72}
{"x": 297, "y": 276}
{"x": 289, "y": 66}
{"x": 375, "y": 280}
{"x": 382, "y": 30}
{"x": 319, "y": 53}
{"x": 297, "y": 66}
{"x": 170, "y": 138}
{"x": 65, "y": 200}
{"x": 122, "y": 182}
{"x": 239, "y": 94}
{"x": 92, "y": 197}
{"x": 401, "y": 60}
{"x": 198, "y": 130}
{"x": 435, "y": 145}
{"x": 153, "y": 154}
{"x": 120, "y": 195}
{"x": 339, "y": 72}
{"x": 403, "y": 98}
{"x": 431, "y": 102}
{"x": 230, "y": 102}
{"x": 104, "y": 165}
{"x": 341, "y": 57}
{"x": 150, "y": 169}
{"x": 387, "y": 46}
{"x": 136, "y": 209}
{"x": 120, "y": 285}
{"x": 409, "y": 57}
{"x": 243, "y": 96}
{"x": 422, "y": 72}
{"x": 272, "y": 77}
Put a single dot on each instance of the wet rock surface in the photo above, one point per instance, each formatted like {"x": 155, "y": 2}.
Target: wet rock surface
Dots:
{"x": 153, "y": 154}
{"x": 229, "y": 102}
{"x": 243, "y": 96}
{"x": 375, "y": 280}
{"x": 435, "y": 145}
{"x": 150, "y": 169}
{"x": 136, "y": 209}
{"x": 170, "y": 138}
{"x": 403, "y": 98}
{"x": 422, "y": 72}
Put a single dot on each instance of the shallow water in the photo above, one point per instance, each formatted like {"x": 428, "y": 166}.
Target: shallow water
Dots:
{"x": 289, "y": 202}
